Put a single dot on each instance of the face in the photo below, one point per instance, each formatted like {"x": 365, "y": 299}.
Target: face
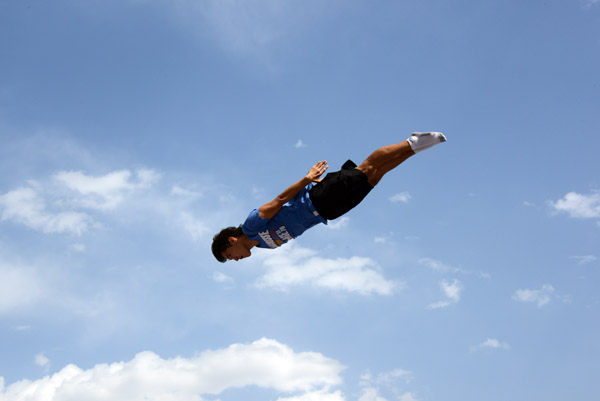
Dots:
{"x": 236, "y": 251}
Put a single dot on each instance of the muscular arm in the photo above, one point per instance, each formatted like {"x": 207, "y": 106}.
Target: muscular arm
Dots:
{"x": 270, "y": 209}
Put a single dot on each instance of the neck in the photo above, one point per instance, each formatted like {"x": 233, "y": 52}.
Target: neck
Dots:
{"x": 247, "y": 242}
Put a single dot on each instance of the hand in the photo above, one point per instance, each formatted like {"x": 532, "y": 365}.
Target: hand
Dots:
{"x": 316, "y": 171}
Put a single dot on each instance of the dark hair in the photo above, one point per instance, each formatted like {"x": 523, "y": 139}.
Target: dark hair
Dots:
{"x": 221, "y": 241}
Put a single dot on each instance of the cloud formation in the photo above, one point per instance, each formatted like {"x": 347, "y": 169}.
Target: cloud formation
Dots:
{"x": 338, "y": 224}
{"x": 540, "y": 297}
{"x": 222, "y": 278}
{"x": 104, "y": 192}
{"x": 394, "y": 382}
{"x": 264, "y": 363}
{"x": 438, "y": 266}
{"x": 42, "y": 360}
{"x": 321, "y": 395}
{"x": 300, "y": 144}
{"x": 490, "y": 343}
{"x": 451, "y": 290}
{"x": 27, "y": 206}
{"x": 292, "y": 265}
{"x": 402, "y": 197}
{"x": 579, "y": 205}
{"x": 442, "y": 267}
{"x": 65, "y": 204}
{"x": 582, "y": 260}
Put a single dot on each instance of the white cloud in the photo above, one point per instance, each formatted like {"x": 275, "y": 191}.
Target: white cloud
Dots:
{"x": 434, "y": 264}
{"x": 494, "y": 343}
{"x": 322, "y": 395}
{"x": 264, "y": 363}
{"x": 185, "y": 193}
{"x": 579, "y": 205}
{"x": 491, "y": 343}
{"x": 366, "y": 379}
{"x": 221, "y": 278}
{"x": 388, "y": 237}
{"x": 397, "y": 374}
{"x": 582, "y": 260}
{"x": 338, "y": 224}
{"x": 393, "y": 382}
{"x": 403, "y": 197}
{"x": 57, "y": 207}
{"x": 439, "y": 304}
{"x": 442, "y": 267}
{"x": 407, "y": 397}
{"x": 451, "y": 290}
{"x": 371, "y": 394}
{"x": 439, "y": 266}
{"x": 291, "y": 265}
{"x": 41, "y": 360}
{"x": 26, "y": 206}
{"x": 540, "y": 297}
{"x": 300, "y": 144}
{"x": 104, "y": 192}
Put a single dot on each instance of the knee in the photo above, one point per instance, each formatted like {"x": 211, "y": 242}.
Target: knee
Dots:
{"x": 374, "y": 179}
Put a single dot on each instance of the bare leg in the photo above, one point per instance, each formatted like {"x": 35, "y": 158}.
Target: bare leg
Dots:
{"x": 385, "y": 159}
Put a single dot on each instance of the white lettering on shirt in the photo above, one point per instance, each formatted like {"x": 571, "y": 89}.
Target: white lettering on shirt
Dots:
{"x": 264, "y": 235}
{"x": 283, "y": 234}
{"x": 274, "y": 238}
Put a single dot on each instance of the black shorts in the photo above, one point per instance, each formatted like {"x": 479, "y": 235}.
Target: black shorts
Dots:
{"x": 340, "y": 191}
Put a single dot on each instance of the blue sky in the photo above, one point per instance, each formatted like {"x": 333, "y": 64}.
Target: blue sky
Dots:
{"x": 132, "y": 131}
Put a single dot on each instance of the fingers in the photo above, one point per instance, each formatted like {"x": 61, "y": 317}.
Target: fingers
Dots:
{"x": 317, "y": 170}
{"x": 322, "y": 165}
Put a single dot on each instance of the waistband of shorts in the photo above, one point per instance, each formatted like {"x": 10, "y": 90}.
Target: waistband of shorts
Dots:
{"x": 313, "y": 209}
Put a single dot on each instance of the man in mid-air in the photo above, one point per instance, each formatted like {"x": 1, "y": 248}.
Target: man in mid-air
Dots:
{"x": 314, "y": 200}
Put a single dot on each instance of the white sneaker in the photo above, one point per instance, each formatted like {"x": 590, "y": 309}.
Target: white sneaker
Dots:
{"x": 420, "y": 141}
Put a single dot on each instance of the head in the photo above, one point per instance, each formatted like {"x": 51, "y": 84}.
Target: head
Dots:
{"x": 227, "y": 245}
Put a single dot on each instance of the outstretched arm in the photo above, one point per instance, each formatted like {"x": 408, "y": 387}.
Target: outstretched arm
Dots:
{"x": 270, "y": 209}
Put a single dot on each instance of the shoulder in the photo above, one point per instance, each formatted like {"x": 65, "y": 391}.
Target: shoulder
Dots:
{"x": 254, "y": 222}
